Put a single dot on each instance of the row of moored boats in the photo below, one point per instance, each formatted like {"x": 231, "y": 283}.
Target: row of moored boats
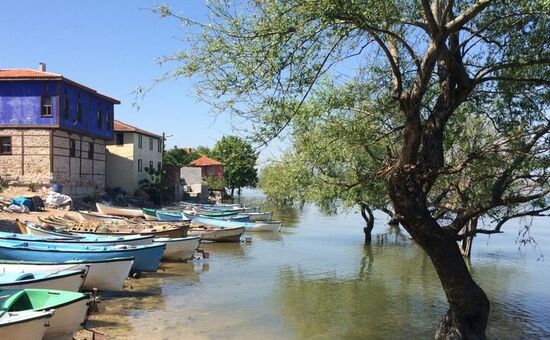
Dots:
{"x": 45, "y": 267}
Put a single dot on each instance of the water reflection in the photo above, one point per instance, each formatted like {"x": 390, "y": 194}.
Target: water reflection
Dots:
{"x": 382, "y": 300}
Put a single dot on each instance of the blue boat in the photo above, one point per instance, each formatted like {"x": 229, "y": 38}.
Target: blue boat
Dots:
{"x": 146, "y": 258}
{"x": 43, "y": 235}
{"x": 234, "y": 218}
{"x": 175, "y": 216}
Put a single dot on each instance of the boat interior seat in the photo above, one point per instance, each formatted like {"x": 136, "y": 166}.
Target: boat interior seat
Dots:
{"x": 25, "y": 276}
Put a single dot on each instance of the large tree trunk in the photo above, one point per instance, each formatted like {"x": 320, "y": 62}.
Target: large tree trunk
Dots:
{"x": 468, "y": 304}
{"x": 368, "y": 216}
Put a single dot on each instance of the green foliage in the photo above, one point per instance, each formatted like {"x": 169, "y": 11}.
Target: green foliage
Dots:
{"x": 363, "y": 68}
{"x": 179, "y": 157}
{"x": 153, "y": 186}
{"x": 214, "y": 182}
{"x": 239, "y": 159}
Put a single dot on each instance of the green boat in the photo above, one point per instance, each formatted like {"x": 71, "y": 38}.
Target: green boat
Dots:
{"x": 70, "y": 308}
{"x": 218, "y": 213}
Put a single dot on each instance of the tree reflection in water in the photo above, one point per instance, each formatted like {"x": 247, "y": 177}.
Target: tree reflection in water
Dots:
{"x": 389, "y": 297}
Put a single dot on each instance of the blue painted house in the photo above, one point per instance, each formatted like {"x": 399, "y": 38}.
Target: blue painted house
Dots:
{"x": 53, "y": 130}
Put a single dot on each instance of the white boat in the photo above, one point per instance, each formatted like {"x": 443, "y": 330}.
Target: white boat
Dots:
{"x": 259, "y": 216}
{"x": 71, "y": 280}
{"x": 181, "y": 248}
{"x": 24, "y": 325}
{"x": 274, "y": 227}
{"x": 230, "y": 234}
{"x": 107, "y": 274}
{"x": 118, "y": 211}
{"x": 91, "y": 216}
{"x": 70, "y": 308}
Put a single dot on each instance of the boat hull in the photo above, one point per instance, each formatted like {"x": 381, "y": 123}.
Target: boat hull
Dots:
{"x": 71, "y": 280}
{"x": 146, "y": 258}
{"x": 180, "y": 248}
{"x": 109, "y": 274}
{"x": 117, "y": 211}
{"x": 262, "y": 216}
{"x": 26, "y": 325}
{"x": 218, "y": 234}
{"x": 67, "y": 320}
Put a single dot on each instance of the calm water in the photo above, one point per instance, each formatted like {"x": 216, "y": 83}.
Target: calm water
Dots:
{"x": 318, "y": 281}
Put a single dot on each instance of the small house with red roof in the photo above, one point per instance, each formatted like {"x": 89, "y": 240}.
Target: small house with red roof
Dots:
{"x": 210, "y": 167}
{"x": 53, "y": 130}
{"x": 130, "y": 155}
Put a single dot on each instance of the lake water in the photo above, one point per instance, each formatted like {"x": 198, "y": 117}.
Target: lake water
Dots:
{"x": 318, "y": 281}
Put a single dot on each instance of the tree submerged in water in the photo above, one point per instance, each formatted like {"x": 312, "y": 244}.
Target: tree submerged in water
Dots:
{"x": 460, "y": 93}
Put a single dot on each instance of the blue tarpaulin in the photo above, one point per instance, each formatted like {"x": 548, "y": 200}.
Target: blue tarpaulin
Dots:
{"x": 22, "y": 200}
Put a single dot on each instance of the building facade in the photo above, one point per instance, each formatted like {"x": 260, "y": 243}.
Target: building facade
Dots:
{"x": 209, "y": 167}
{"x": 130, "y": 153}
{"x": 53, "y": 130}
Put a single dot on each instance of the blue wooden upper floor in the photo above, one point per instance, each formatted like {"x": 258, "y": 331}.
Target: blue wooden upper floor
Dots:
{"x": 31, "y": 98}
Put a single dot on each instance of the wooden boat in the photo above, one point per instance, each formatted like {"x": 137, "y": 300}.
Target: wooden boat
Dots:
{"x": 71, "y": 280}
{"x": 249, "y": 226}
{"x": 208, "y": 233}
{"x": 259, "y": 216}
{"x": 70, "y": 308}
{"x": 155, "y": 229}
{"x": 146, "y": 258}
{"x": 25, "y": 325}
{"x": 108, "y": 274}
{"x": 90, "y": 216}
{"x": 118, "y": 211}
{"x": 182, "y": 248}
{"x": 32, "y": 232}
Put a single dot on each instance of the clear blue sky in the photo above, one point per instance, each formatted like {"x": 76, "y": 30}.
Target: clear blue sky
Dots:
{"x": 111, "y": 46}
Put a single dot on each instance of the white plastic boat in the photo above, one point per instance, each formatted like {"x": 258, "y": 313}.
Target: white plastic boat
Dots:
{"x": 118, "y": 211}
{"x": 230, "y": 234}
{"x": 24, "y": 325}
{"x": 182, "y": 248}
{"x": 259, "y": 216}
{"x": 71, "y": 280}
{"x": 109, "y": 274}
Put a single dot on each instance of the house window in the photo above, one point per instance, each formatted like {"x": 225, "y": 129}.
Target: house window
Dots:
{"x": 5, "y": 145}
{"x": 159, "y": 166}
{"x": 140, "y": 165}
{"x": 109, "y": 123}
{"x": 90, "y": 150}
{"x": 151, "y": 166}
{"x": 79, "y": 109}
{"x": 72, "y": 148}
{"x": 46, "y": 106}
{"x": 99, "y": 119}
{"x": 66, "y": 105}
{"x": 151, "y": 143}
{"x": 120, "y": 138}
{"x": 140, "y": 141}
{"x": 159, "y": 146}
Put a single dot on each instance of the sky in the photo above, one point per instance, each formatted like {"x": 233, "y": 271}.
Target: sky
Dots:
{"x": 112, "y": 47}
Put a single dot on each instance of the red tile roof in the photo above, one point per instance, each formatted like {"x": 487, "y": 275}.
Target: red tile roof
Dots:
{"x": 205, "y": 161}
{"x": 123, "y": 127}
{"x": 28, "y": 74}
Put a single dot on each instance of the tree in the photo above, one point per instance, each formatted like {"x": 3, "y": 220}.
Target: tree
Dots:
{"x": 179, "y": 157}
{"x": 429, "y": 60}
{"x": 328, "y": 164}
{"x": 239, "y": 159}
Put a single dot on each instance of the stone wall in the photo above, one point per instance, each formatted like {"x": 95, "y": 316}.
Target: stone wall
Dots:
{"x": 30, "y": 161}
{"x": 80, "y": 175}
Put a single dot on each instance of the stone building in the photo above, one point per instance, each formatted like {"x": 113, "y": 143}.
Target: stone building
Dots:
{"x": 53, "y": 130}
{"x": 129, "y": 154}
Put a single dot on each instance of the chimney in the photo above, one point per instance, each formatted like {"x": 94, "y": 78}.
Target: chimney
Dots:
{"x": 42, "y": 67}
